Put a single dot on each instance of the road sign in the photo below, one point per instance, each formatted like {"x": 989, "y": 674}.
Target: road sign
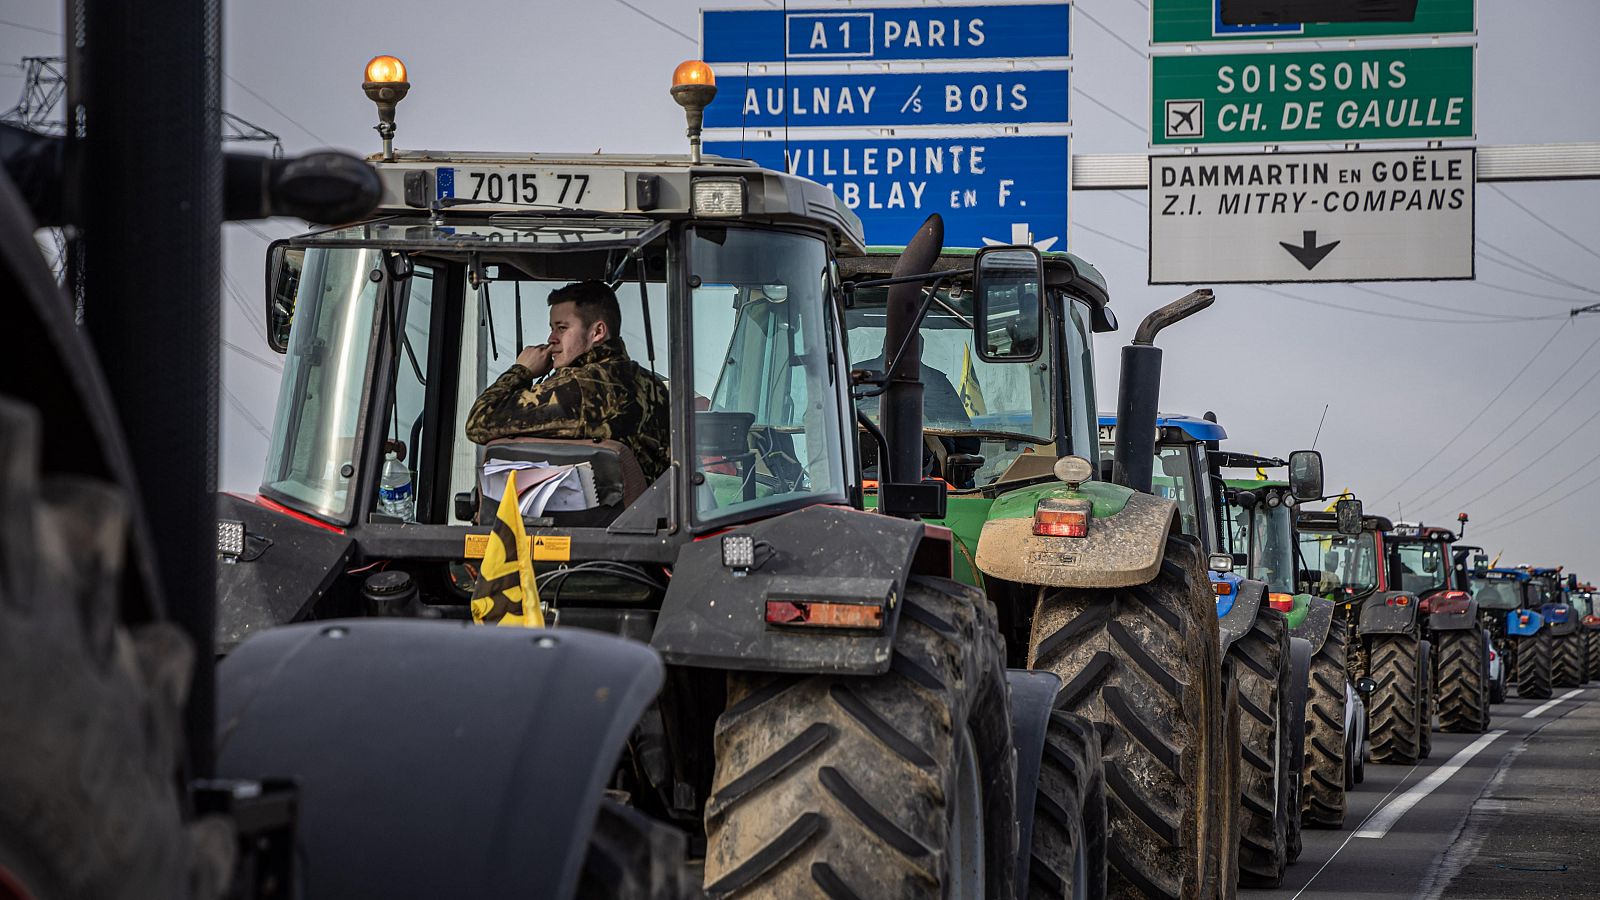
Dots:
{"x": 1418, "y": 93}
{"x": 1362, "y": 215}
{"x": 862, "y": 34}
{"x": 878, "y": 99}
{"x": 1201, "y": 21}
{"x": 989, "y": 190}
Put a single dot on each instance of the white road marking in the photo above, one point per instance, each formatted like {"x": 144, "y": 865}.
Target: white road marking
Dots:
{"x": 1381, "y": 821}
{"x": 1534, "y": 713}
{"x": 1307, "y": 886}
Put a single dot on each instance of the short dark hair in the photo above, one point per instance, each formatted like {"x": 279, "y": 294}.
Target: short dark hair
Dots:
{"x": 595, "y": 301}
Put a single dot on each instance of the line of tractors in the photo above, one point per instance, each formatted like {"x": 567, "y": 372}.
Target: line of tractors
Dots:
{"x": 903, "y": 617}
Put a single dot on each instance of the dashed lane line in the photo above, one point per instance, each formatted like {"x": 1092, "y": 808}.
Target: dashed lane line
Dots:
{"x": 1348, "y": 838}
{"x": 1534, "y": 713}
{"x": 1381, "y": 821}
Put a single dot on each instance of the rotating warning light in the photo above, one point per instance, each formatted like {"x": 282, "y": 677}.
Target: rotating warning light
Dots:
{"x": 386, "y": 70}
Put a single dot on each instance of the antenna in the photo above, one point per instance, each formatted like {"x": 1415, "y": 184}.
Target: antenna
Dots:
{"x": 1319, "y": 425}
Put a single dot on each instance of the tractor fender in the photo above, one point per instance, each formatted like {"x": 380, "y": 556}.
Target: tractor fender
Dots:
{"x": 1120, "y": 550}
{"x": 1033, "y": 698}
{"x": 1315, "y": 626}
{"x": 1241, "y": 617}
{"x": 413, "y": 742}
{"x": 1378, "y": 617}
{"x": 288, "y": 565}
{"x": 1561, "y": 619}
{"x": 1300, "y": 653}
{"x": 716, "y": 617}
{"x": 1462, "y": 619}
{"x": 1515, "y": 626}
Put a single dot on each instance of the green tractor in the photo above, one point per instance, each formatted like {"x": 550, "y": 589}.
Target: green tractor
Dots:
{"x": 1093, "y": 580}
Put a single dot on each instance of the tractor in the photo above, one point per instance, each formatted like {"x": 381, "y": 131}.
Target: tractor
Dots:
{"x": 1495, "y": 595}
{"x": 1261, "y": 528}
{"x": 1421, "y": 561}
{"x": 1583, "y": 600}
{"x": 1529, "y": 643}
{"x": 1271, "y": 667}
{"x": 1569, "y": 663}
{"x": 832, "y": 711}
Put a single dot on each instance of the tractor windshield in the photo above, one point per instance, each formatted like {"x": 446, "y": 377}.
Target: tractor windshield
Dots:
{"x": 1418, "y": 566}
{"x": 1497, "y": 593}
{"x": 1339, "y": 566}
{"x": 997, "y": 410}
{"x": 1268, "y": 533}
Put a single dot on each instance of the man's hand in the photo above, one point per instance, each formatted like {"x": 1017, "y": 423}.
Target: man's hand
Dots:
{"x": 536, "y": 359}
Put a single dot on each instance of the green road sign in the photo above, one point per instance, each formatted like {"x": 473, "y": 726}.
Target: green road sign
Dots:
{"x": 1419, "y": 93}
{"x": 1197, "y": 21}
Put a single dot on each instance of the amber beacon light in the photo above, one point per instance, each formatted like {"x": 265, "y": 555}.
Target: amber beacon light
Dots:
{"x": 694, "y": 86}
{"x": 386, "y": 85}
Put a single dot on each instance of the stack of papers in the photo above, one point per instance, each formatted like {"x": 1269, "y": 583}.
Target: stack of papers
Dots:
{"x": 541, "y": 487}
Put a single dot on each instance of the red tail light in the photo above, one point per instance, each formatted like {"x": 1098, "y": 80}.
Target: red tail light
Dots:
{"x": 824, "y": 615}
{"x": 1062, "y": 518}
{"x": 1522, "y": 618}
{"x": 1591, "y": 620}
{"x": 1281, "y": 602}
{"x": 1399, "y": 600}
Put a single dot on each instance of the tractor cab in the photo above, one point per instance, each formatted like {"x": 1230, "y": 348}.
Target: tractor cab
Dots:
{"x": 1342, "y": 564}
{"x": 1547, "y": 594}
{"x": 1421, "y": 562}
{"x": 1183, "y": 473}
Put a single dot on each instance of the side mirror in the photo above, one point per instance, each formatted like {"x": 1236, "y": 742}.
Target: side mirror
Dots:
{"x": 1008, "y": 288}
{"x": 283, "y": 286}
{"x": 1221, "y": 562}
{"x": 1305, "y": 474}
{"x": 1572, "y": 582}
{"x": 1480, "y": 566}
{"x": 1348, "y": 514}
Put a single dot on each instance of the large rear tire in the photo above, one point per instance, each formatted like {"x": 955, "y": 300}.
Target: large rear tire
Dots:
{"x": 1261, "y": 657}
{"x": 1398, "y": 702}
{"x": 1533, "y": 665}
{"x": 91, "y": 710}
{"x": 900, "y": 785}
{"x": 1323, "y": 792}
{"x": 1068, "y": 856}
{"x": 1568, "y": 665}
{"x": 1146, "y": 661}
{"x": 1463, "y": 682}
{"x": 1591, "y": 643}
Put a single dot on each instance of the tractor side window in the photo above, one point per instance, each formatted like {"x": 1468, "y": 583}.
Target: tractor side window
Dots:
{"x": 767, "y": 426}
{"x": 1173, "y": 480}
{"x": 411, "y": 376}
{"x": 1083, "y": 432}
{"x": 311, "y": 463}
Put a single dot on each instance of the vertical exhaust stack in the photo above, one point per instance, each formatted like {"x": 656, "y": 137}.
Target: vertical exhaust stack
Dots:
{"x": 1140, "y": 393}
{"x": 902, "y": 399}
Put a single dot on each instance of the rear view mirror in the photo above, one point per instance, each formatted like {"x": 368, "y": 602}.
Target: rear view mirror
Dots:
{"x": 283, "y": 286}
{"x": 1007, "y": 283}
{"x": 1348, "y": 514}
{"x": 1480, "y": 566}
{"x": 1305, "y": 474}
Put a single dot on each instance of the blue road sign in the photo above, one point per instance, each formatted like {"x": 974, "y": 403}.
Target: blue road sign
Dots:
{"x": 1001, "y": 190}
{"x": 877, "y": 99}
{"x": 1012, "y": 31}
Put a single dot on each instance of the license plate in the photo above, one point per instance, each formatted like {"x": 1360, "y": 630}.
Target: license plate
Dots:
{"x": 527, "y": 186}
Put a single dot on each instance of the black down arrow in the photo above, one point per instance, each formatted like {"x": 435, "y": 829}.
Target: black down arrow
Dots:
{"x": 1308, "y": 252}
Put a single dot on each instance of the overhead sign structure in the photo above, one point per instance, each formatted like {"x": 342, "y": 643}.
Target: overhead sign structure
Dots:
{"x": 884, "y": 99}
{"x": 1203, "y": 21}
{"x": 1362, "y": 215}
{"x": 997, "y": 190}
{"x": 1417, "y": 93}
{"x": 866, "y": 34}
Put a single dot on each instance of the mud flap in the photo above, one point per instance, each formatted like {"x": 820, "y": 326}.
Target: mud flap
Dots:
{"x": 1378, "y": 617}
{"x": 1120, "y": 551}
{"x": 417, "y": 742}
{"x": 1242, "y": 616}
{"x": 1456, "y": 621}
{"x": 1033, "y": 697}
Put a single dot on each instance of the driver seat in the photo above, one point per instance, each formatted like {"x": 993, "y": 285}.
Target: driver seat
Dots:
{"x": 618, "y": 479}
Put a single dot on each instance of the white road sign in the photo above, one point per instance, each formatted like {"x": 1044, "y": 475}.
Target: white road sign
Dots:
{"x": 1353, "y": 215}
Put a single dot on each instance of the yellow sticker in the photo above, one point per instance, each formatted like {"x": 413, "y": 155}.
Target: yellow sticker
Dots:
{"x": 477, "y": 544}
{"x": 552, "y": 548}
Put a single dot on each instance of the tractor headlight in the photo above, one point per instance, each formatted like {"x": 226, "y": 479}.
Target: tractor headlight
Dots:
{"x": 718, "y": 196}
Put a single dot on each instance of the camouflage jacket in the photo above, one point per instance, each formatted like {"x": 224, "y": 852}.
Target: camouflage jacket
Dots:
{"x": 603, "y": 395}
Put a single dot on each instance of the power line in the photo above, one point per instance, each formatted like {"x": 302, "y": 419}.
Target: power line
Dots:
{"x": 1548, "y": 275}
{"x": 1541, "y": 220}
{"x": 1492, "y": 401}
{"x": 248, "y": 417}
{"x": 269, "y": 104}
{"x": 1520, "y": 292}
{"x": 1102, "y": 26}
{"x": 274, "y": 366}
{"x": 1110, "y": 237}
{"x": 1417, "y": 500}
{"x": 30, "y": 28}
{"x": 1400, "y": 316}
{"x": 1539, "y": 509}
{"x": 668, "y": 27}
{"x": 1527, "y": 467}
{"x": 1085, "y": 95}
{"x": 1472, "y": 312}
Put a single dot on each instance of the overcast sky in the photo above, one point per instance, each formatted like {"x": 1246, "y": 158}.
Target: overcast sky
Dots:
{"x": 1402, "y": 368}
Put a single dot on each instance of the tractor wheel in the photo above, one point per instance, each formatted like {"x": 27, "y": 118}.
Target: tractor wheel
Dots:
{"x": 1591, "y": 642}
{"x": 1430, "y": 690}
{"x": 1146, "y": 662}
{"x": 1463, "y": 682}
{"x": 634, "y": 857}
{"x": 91, "y": 713}
{"x": 899, "y": 785}
{"x": 1399, "y": 702}
{"x": 1568, "y": 662}
{"x": 1533, "y": 666}
{"x": 1325, "y": 769}
{"x": 1261, "y": 657}
{"x": 1227, "y": 735}
{"x": 1068, "y": 856}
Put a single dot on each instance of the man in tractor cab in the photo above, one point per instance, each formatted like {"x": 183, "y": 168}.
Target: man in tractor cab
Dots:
{"x": 596, "y": 391}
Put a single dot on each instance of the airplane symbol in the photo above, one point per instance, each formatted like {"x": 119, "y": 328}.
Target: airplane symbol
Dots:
{"x": 1020, "y": 234}
{"x": 1185, "y": 118}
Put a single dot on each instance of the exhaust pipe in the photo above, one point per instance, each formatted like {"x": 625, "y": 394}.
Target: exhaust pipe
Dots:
{"x": 901, "y": 408}
{"x": 1139, "y": 393}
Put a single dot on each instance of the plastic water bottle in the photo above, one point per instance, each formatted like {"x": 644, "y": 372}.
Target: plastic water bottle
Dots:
{"x": 394, "y": 489}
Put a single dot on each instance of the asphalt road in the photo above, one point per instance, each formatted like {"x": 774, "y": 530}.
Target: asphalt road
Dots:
{"x": 1508, "y": 814}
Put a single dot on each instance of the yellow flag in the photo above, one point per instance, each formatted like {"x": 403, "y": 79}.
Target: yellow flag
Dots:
{"x": 506, "y": 593}
{"x": 971, "y": 391}
{"x": 1334, "y": 503}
